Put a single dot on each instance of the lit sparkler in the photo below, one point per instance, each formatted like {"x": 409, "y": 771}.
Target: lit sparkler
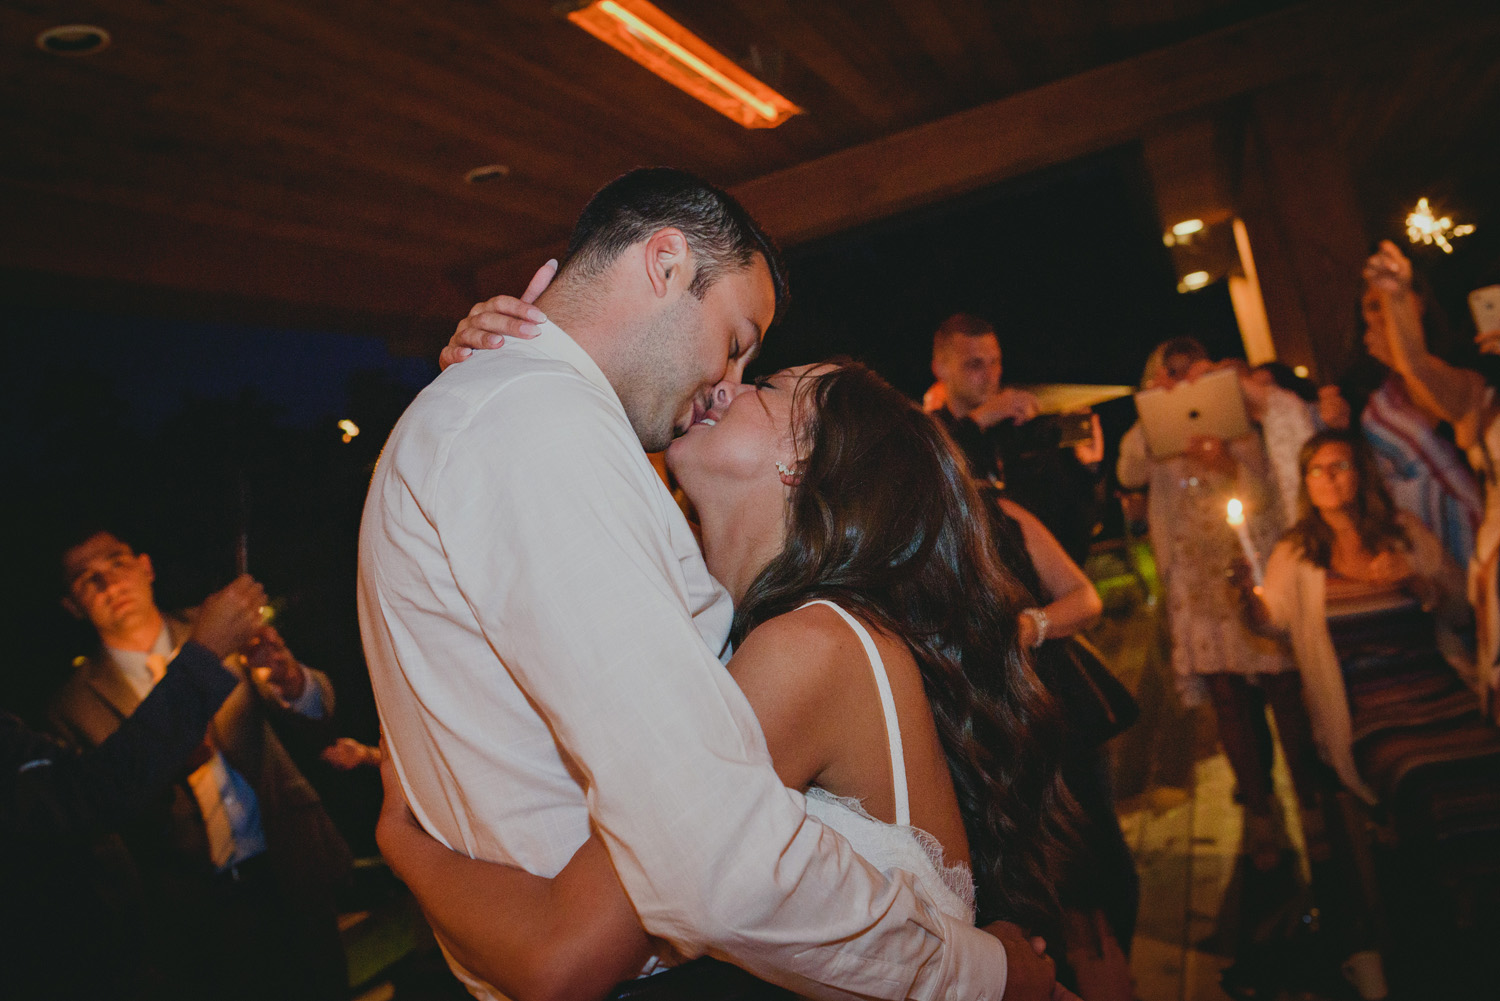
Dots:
{"x": 1423, "y": 227}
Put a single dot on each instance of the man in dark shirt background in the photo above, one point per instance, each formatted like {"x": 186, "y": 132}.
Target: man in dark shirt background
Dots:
{"x": 1005, "y": 444}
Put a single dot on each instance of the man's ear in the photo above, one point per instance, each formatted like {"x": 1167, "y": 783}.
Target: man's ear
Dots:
{"x": 146, "y": 566}
{"x": 667, "y": 264}
{"x": 71, "y": 607}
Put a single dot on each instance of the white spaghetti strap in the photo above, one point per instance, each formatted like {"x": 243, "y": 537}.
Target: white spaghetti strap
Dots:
{"x": 888, "y": 704}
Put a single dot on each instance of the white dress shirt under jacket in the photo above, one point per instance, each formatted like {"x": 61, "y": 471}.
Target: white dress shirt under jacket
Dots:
{"x": 542, "y": 635}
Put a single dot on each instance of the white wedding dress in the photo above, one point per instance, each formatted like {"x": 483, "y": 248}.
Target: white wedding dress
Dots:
{"x": 889, "y": 847}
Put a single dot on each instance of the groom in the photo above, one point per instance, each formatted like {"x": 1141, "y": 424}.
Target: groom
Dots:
{"x": 545, "y": 640}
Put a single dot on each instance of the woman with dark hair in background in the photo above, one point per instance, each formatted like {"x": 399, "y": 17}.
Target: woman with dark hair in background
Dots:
{"x": 877, "y": 642}
{"x": 1100, "y": 891}
{"x": 1364, "y": 592}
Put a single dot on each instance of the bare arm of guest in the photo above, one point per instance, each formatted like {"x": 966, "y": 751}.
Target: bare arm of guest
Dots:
{"x": 1454, "y": 394}
{"x": 1073, "y": 602}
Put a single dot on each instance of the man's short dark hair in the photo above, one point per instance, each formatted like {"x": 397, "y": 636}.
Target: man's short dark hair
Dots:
{"x": 68, "y": 534}
{"x": 960, "y": 325}
{"x": 719, "y": 231}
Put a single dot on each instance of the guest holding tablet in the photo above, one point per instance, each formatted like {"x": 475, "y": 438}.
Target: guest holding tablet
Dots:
{"x": 1215, "y": 656}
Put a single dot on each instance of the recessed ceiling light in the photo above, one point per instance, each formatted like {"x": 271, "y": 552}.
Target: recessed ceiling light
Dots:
{"x": 73, "y": 40}
{"x": 489, "y": 172}
{"x": 1188, "y": 227}
{"x": 1192, "y": 281}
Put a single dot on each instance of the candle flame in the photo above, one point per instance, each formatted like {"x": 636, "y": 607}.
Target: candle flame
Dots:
{"x": 1236, "y": 512}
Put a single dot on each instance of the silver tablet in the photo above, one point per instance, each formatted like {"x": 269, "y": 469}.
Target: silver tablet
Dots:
{"x": 1211, "y": 405}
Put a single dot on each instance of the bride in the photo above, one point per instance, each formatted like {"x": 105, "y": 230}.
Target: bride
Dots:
{"x": 876, "y": 640}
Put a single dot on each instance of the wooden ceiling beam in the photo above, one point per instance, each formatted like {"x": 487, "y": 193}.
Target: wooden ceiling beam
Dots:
{"x": 1055, "y": 122}
{"x": 1038, "y": 128}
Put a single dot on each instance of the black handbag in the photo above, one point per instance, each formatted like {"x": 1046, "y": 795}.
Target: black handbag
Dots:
{"x": 1094, "y": 702}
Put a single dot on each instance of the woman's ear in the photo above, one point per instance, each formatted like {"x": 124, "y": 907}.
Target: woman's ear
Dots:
{"x": 789, "y": 476}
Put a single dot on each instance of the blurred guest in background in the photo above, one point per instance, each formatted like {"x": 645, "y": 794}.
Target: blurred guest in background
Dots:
{"x": 1466, "y": 399}
{"x": 1100, "y": 889}
{"x": 1005, "y": 444}
{"x": 1367, "y": 596}
{"x": 69, "y": 922}
{"x": 240, "y": 860}
{"x": 1408, "y": 430}
{"x": 1214, "y": 653}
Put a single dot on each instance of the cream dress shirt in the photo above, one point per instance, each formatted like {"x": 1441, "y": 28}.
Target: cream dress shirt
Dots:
{"x": 544, "y": 641}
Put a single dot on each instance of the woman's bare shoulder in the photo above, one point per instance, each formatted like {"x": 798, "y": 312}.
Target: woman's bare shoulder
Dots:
{"x": 813, "y": 639}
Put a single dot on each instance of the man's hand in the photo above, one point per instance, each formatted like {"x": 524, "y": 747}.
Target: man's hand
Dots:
{"x": 347, "y": 754}
{"x": 1211, "y": 453}
{"x": 1015, "y": 405}
{"x": 228, "y": 618}
{"x": 271, "y": 663}
{"x": 491, "y": 321}
{"x": 1091, "y": 452}
{"x": 1031, "y": 974}
{"x": 1333, "y": 409}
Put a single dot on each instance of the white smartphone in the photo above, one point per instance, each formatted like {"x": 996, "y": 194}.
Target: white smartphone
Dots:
{"x": 1484, "y": 303}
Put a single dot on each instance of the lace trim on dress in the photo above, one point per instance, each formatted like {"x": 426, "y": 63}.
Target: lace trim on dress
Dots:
{"x": 958, "y": 878}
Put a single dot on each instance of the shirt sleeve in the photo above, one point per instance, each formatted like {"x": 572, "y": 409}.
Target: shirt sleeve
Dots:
{"x": 56, "y": 794}
{"x": 1279, "y": 589}
{"x": 1133, "y": 468}
{"x": 310, "y": 703}
{"x": 567, "y": 567}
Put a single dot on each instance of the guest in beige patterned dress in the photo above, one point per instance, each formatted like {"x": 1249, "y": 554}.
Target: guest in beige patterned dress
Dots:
{"x": 1214, "y": 654}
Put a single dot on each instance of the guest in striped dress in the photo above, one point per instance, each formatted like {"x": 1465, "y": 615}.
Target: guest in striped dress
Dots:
{"x": 1425, "y": 472}
{"x": 1367, "y": 595}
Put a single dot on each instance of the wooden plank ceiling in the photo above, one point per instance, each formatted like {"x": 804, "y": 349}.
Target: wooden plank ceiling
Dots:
{"x": 304, "y": 161}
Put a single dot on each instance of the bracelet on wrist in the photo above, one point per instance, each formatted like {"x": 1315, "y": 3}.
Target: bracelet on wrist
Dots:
{"x": 1038, "y": 619}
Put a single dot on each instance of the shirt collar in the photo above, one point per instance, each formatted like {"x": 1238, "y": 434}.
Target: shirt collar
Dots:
{"x": 132, "y": 663}
{"x": 555, "y": 342}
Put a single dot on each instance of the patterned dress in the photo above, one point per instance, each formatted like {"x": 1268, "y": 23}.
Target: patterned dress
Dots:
{"x": 1420, "y": 740}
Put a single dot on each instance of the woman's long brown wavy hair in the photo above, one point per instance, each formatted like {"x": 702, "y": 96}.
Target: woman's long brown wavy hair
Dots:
{"x": 885, "y": 522}
{"x": 1374, "y": 511}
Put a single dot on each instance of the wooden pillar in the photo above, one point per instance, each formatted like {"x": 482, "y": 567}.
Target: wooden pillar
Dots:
{"x": 1302, "y": 219}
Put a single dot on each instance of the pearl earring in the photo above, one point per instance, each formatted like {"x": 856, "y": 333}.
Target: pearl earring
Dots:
{"x": 781, "y": 468}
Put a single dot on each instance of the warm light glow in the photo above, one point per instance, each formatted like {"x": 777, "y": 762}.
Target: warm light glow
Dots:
{"x": 1423, "y": 227}
{"x": 1193, "y": 280}
{"x": 1188, "y": 227}
{"x": 1300, "y": 371}
{"x": 666, "y": 48}
{"x": 349, "y": 428}
{"x": 1236, "y": 512}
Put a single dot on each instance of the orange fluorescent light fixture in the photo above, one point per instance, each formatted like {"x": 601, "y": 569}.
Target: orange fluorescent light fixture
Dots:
{"x": 687, "y": 62}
